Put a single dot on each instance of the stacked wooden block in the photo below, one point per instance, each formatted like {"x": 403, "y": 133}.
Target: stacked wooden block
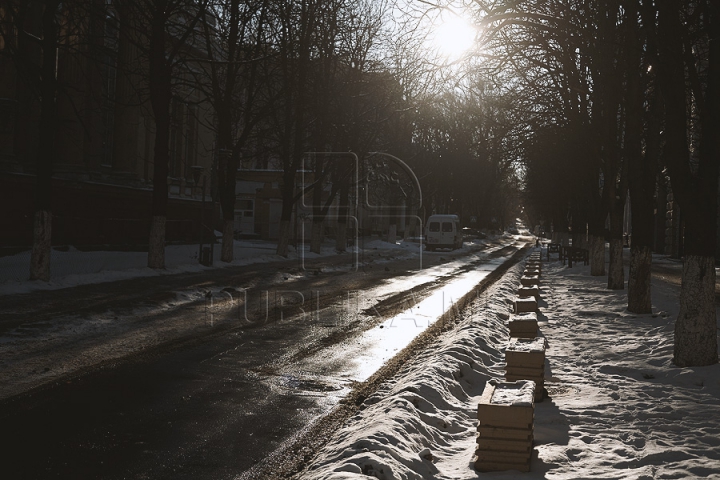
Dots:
{"x": 534, "y": 263}
{"x": 525, "y": 360}
{"x": 532, "y": 291}
{"x": 505, "y": 431}
{"x": 533, "y": 270}
{"x": 528, "y": 293}
{"x": 523, "y": 325}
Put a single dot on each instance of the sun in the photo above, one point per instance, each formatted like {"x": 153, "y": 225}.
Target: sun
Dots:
{"x": 453, "y": 37}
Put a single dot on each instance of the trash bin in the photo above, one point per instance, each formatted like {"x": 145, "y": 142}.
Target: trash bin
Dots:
{"x": 205, "y": 256}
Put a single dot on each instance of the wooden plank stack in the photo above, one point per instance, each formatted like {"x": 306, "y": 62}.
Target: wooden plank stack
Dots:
{"x": 525, "y": 360}
{"x": 528, "y": 294}
{"x": 523, "y": 325}
{"x": 533, "y": 291}
{"x": 505, "y": 431}
{"x": 525, "y": 304}
{"x": 534, "y": 263}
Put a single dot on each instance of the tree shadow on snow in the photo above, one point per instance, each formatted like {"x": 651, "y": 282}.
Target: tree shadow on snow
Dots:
{"x": 550, "y": 427}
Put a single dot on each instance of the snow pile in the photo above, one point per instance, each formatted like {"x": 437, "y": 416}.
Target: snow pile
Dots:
{"x": 516, "y": 394}
{"x": 528, "y": 345}
{"x": 71, "y": 267}
{"x": 621, "y": 408}
{"x": 428, "y": 411}
{"x": 618, "y": 407}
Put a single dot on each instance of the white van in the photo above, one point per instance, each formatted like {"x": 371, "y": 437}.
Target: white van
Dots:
{"x": 443, "y": 231}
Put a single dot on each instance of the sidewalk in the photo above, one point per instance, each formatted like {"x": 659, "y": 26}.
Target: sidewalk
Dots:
{"x": 72, "y": 267}
{"x": 618, "y": 408}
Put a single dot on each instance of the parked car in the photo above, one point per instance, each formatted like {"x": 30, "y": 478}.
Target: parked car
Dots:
{"x": 443, "y": 231}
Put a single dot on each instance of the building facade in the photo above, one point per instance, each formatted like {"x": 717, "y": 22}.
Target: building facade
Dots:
{"x": 104, "y": 134}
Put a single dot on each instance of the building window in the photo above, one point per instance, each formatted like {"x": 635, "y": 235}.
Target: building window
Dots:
{"x": 244, "y": 204}
{"x": 183, "y": 138}
{"x": 191, "y": 133}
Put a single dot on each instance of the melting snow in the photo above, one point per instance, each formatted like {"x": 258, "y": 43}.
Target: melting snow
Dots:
{"x": 618, "y": 407}
{"x": 517, "y": 394}
{"x": 527, "y": 345}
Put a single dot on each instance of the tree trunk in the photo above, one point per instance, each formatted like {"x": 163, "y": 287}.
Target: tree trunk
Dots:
{"x": 582, "y": 240}
{"x": 228, "y": 241}
{"x": 341, "y": 234}
{"x": 341, "y": 237}
{"x": 596, "y": 233}
{"x": 639, "y": 290}
{"x": 579, "y": 230}
{"x": 597, "y": 256}
{"x": 288, "y": 201}
{"x": 639, "y": 282}
{"x": 284, "y": 240}
{"x": 412, "y": 223}
{"x": 696, "y": 325}
{"x": 42, "y": 222}
{"x": 641, "y": 204}
{"x": 641, "y": 183}
{"x": 392, "y": 233}
{"x": 318, "y": 216}
{"x": 227, "y": 168}
{"x": 41, "y": 249}
{"x": 316, "y": 236}
{"x": 616, "y": 273}
{"x": 160, "y": 94}
{"x": 660, "y": 215}
{"x": 156, "y": 246}
{"x": 696, "y": 193}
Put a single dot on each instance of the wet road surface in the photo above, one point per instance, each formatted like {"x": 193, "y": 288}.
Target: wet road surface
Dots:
{"x": 215, "y": 404}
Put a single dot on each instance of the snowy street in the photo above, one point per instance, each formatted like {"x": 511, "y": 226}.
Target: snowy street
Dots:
{"x": 159, "y": 380}
{"x": 205, "y": 374}
{"x": 617, "y": 407}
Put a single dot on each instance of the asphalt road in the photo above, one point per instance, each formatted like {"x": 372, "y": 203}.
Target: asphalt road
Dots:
{"x": 206, "y": 403}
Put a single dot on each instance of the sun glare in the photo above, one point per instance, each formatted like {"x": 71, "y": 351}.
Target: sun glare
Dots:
{"x": 454, "y": 37}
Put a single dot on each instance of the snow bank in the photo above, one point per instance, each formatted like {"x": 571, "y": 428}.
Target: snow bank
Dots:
{"x": 426, "y": 415}
{"x": 618, "y": 408}
{"x": 71, "y": 267}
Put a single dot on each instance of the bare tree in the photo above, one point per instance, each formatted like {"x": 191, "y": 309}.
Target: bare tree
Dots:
{"x": 689, "y": 60}
{"x": 632, "y": 95}
{"x": 293, "y": 29}
{"x": 232, "y": 77}
{"x": 30, "y": 34}
{"x": 165, "y": 32}
{"x": 642, "y": 149}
